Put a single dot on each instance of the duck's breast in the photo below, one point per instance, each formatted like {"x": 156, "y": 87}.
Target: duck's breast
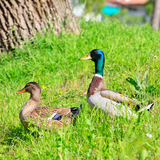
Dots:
{"x": 98, "y": 101}
{"x": 26, "y": 110}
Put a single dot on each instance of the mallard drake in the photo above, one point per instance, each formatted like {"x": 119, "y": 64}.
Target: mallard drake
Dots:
{"x": 110, "y": 101}
{"x": 45, "y": 116}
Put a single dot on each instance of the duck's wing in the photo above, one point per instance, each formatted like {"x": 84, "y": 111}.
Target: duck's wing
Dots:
{"x": 54, "y": 117}
{"x": 41, "y": 112}
{"x": 50, "y": 113}
{"x": 61, "y": 114}
{"x": 117, "y": 97}
{"x": 49, "y": 117}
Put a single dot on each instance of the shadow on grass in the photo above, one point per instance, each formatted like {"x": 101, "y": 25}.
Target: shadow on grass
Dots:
{"x": 12, "y": 134}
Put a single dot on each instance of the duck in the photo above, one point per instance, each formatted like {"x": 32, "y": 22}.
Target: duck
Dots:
{"x": 112, "y": 102}
{"x": 32, "y": 114}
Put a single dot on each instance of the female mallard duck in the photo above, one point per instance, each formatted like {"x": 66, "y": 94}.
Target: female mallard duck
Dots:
{"x": 108, "y": 100}
{"x": 40, "y": 116}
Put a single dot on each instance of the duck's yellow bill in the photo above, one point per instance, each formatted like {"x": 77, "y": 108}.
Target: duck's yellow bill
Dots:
{"x": 86, "y": 57}
{"x": 21, "y": 91}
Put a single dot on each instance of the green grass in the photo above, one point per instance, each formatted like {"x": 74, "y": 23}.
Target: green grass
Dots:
{"x": 53, "y": 61}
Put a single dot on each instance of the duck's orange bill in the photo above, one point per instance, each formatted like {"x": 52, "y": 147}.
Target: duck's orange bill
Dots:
{"x": 21, "y": 91}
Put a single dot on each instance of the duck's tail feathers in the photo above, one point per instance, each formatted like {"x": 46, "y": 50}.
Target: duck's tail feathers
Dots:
{"x": 149, "y": 107}
{"x": 75, "y": 110}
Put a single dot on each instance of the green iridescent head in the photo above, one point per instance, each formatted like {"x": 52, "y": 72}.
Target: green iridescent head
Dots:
{"x": 97, "y": 56}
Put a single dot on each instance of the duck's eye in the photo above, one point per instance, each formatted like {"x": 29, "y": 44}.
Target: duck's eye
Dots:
{"x": 93, "y": 54}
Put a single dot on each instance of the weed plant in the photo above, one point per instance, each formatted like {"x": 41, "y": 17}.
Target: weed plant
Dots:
{"x": 53, "y": 62}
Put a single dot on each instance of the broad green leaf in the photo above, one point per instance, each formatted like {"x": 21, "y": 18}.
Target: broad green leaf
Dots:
{"x": 143, "y": 155}
{"x": 133, "y": 82}
{"x": 150, "y": 89}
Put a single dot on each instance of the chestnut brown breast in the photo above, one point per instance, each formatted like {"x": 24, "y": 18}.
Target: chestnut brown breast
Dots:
{"x": 94, "y": 85}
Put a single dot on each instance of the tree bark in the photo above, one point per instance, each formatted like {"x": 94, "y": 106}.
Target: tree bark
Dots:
{"x": 156, "y": 15}
{"x": 19, "y": 19}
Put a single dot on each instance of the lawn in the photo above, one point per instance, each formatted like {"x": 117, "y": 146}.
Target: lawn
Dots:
{"x": 53, "y": 62}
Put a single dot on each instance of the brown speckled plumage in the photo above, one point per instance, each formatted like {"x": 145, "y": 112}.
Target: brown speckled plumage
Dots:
{"x": 95, "y": 85}
{"x": 41, "y": 116}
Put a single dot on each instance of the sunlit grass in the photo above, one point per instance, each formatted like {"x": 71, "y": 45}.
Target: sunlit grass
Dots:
{"x": 53, "y": 62}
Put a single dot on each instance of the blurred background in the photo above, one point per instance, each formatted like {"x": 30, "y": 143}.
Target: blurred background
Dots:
{"x": 137, "y": 12}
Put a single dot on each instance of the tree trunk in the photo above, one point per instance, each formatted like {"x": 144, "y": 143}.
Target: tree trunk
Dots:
{"x": 19, "y": 19}
{"x": 156, "y": 15}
